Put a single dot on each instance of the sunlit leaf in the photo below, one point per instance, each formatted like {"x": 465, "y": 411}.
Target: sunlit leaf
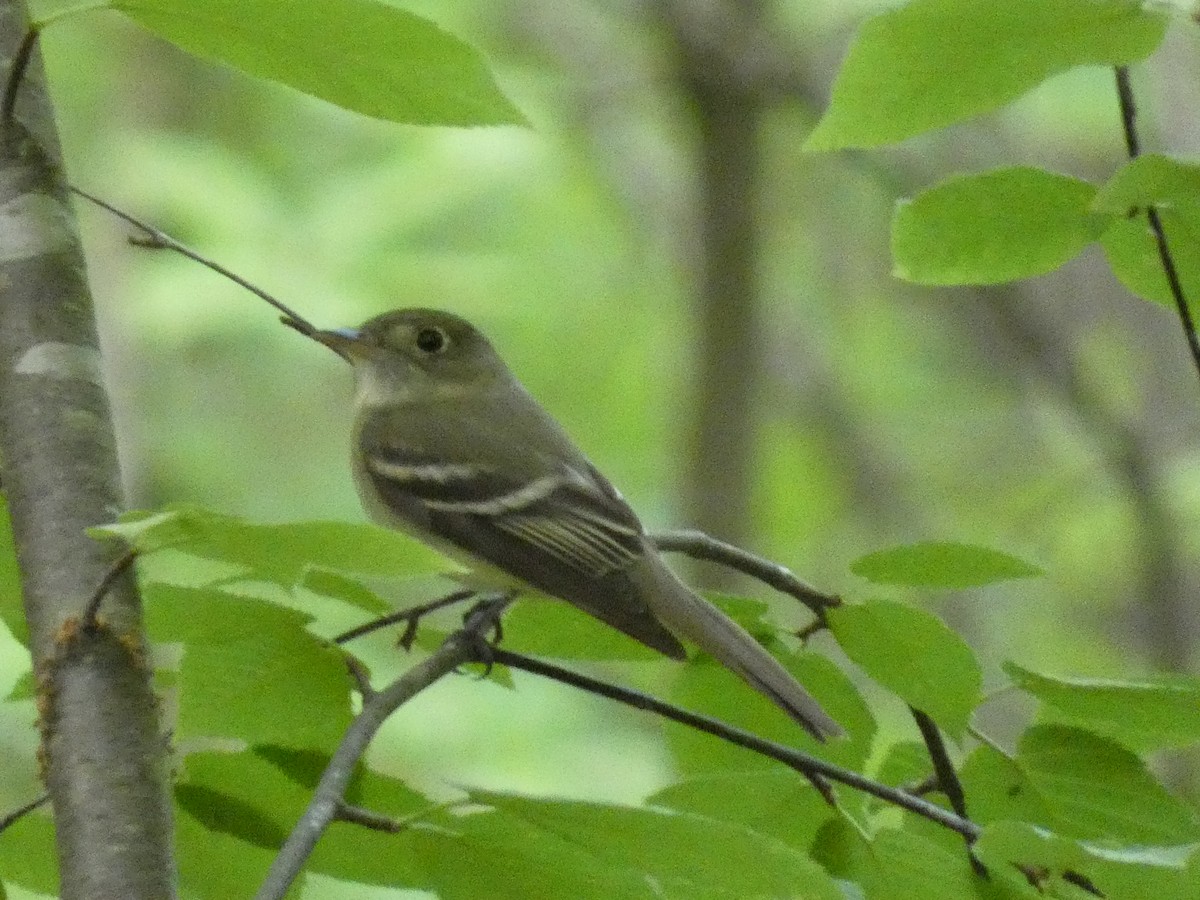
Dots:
{"x": 781, "y": 804}
{"x": 1173, "y": 187}
{"x": 930, "y": 63}
{"x": 1078, "y": 785}
{"x": 552, "y": 849}
{"x": 284, "y": 553}
{"x": 943, "y": 564}
{"x": 363, "y": 55}
{"x": 1142, "y": 713}
{"x": 913, "y": 653}
{"x": 993, "y": 227}
{"x": 247, "y": 665}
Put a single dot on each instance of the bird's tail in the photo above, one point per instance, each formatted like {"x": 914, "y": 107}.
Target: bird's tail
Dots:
{"x": 691, "y": 617}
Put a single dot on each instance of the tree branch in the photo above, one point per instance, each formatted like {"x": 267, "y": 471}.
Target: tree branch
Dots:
{"x": 103, "y": 758}
{"x": 802, "y": 762}
{"x": 1133, "y": 148}
{"x": 327, "y": 801}
{"x": 699, "y": 545}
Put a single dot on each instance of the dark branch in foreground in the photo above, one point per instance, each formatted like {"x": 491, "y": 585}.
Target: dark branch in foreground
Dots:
{"x": 411, "y": 617}
{"x": 946, "y": 776}
{"x": 796, "y": 759}
{"x": 1133, "y": 148}
{"x": 327, "y": 800}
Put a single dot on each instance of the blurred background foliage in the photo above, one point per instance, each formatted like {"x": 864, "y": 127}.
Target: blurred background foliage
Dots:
{"x": 1055, "y": 419}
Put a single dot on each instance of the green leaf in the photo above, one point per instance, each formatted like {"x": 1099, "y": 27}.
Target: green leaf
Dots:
{"x": 942, "y": 564}
{"x": 246, "y": 664}
{"x": 607, "y": 851}
{"x": 1076, "y": 784}
{"x": 705, "y": 686}
{"x": 914, "y": 654}
{"x": 993, "y": 227}
{"x": 27, "y": 854}
{"x": 246, "y": 802}
{"x": 363, "y": 55}
{"x": 931, "y": 63}
{"x": 1117, "y": 871}
{"x": 12, "y": 608}
{"x": 780, "y": 804}
{"x": 1173, "y": 188}
{"x": 1143, "y": 714}
{"x": 280, "y": 553}
{"x": 897, "y": 865}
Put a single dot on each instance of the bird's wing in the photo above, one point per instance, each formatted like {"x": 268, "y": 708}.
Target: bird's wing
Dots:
{"x": 566, "y": 533}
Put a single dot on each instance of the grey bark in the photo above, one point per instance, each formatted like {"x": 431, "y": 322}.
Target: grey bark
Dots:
{"x": 102, "y": 754}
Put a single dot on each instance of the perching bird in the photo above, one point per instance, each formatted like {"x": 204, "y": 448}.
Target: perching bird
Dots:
{"x": 452, "y": 449}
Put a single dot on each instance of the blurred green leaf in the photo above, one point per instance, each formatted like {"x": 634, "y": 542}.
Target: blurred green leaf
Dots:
{"x": 913, "y": 653}
{"x": 549, "y": 848}
{"x": 1173, "y": 188}
{"x": 942, "y": 564}
{"x": 363, "y": 55}
{"x": 1078, "y": 785}
{"x": 993, "y": 227}
{"x": 1143, "y": 714}
{"x": 930, "y": 63}
{"x": 1151, "y": 180}
{"x": 1132, "y": 253}
{"x": 12, "y": 608}
{"x": 779, "y": 804}
{"x": 246, "y": 663}
{"x": 281, "y": 553}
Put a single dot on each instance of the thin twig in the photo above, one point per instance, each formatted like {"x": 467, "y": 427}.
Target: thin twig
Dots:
{"x": 801, "y": 762}
{"x": 160, "y": 240}
{"x": 457, "y": 649}
{"x": 410, "y": 616}
{"x": 16, "y": 74}
{"x": 947, "y": 778}
{"x": 362, "y": 678}
{"x": 699, "y": 545}
{"x": 21, "y": 812}
{"x": 356, "y": 815}
{"x": 120, "y": 565}
{"x": 1133, "y": 148}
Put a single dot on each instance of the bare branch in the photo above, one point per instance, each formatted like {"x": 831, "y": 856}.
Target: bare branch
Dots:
{"x": 156, "y": 239}
{"x": 327, "y": 799}
{"x": 804, "y": 763}
{"x": 699, "y": 545}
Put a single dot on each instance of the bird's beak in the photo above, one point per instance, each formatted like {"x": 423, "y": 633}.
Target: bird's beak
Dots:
{"x": 345, "y": 342}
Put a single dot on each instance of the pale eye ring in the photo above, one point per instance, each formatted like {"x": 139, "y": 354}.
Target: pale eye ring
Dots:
{"x": 432, "y": 339}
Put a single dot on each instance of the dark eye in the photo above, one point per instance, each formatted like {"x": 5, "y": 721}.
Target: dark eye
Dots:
{"x": 431, "y": 340}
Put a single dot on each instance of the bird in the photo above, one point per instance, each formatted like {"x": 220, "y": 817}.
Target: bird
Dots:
{"x": 449, "y": 447}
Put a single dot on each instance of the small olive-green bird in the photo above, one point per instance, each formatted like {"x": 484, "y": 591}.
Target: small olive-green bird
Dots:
{"x": 452, "y": 449}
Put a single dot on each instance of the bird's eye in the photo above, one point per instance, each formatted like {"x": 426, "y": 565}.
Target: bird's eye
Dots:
{"x": 432, "y": 340}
